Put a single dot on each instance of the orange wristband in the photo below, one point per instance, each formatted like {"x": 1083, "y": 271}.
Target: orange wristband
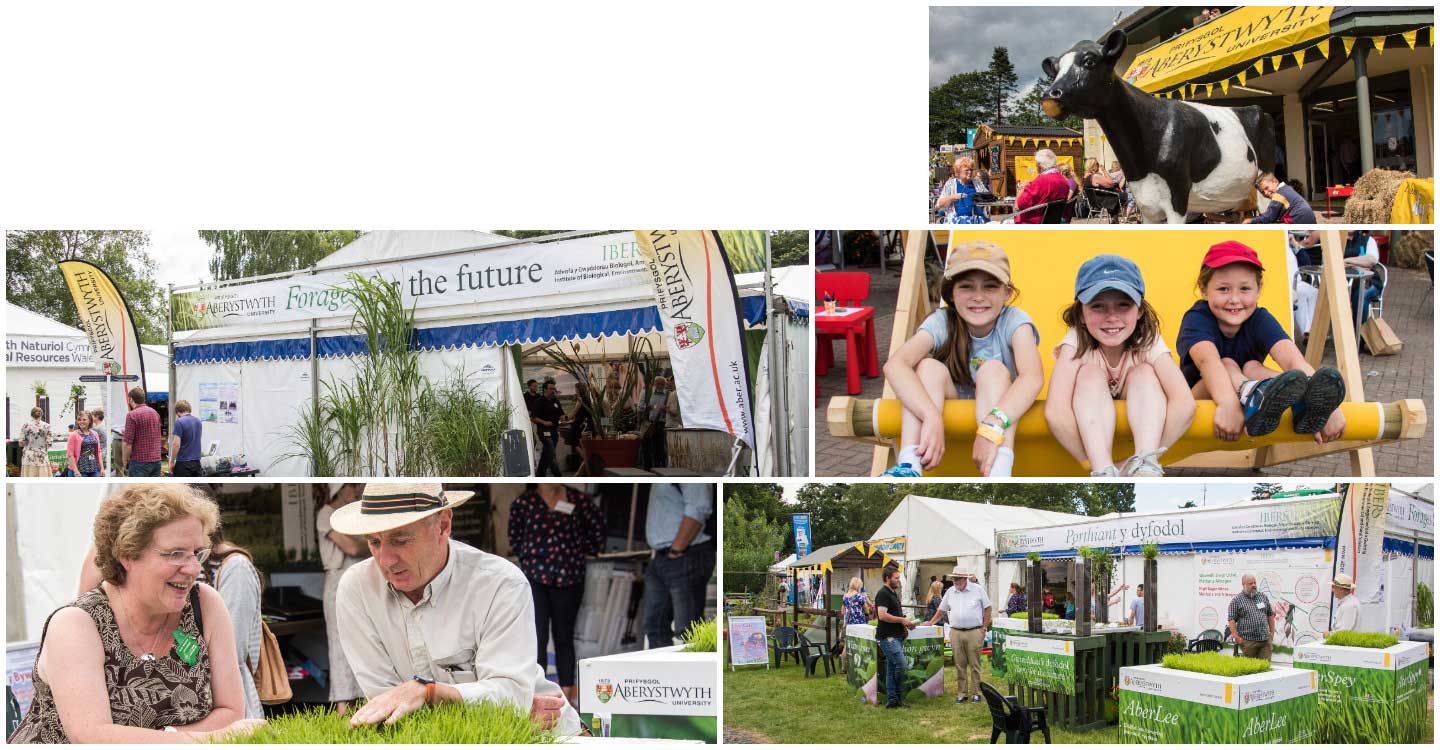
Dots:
{"x": 429, "y": 693}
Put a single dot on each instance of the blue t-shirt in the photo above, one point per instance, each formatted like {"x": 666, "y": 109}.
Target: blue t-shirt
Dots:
{"x": 1257, "y": 335}
{"x": 994, "y": 345}
{"x": 187, "y": 428}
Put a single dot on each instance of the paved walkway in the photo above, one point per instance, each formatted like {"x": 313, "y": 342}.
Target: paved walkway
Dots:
{"x": 1409, "y": 309}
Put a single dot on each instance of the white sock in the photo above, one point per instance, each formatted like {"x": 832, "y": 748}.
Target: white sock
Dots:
{"x": 1245, "y": 389}
{"x": 910, "y": 454}
{"x": 1003, "y": 463}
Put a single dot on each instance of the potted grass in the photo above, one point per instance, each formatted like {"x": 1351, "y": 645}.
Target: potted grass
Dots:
{"x": 1372, "y": 687}
{"x": 1211, "y": 698}
{"x": 446, "y": 723}
{"x": 615, "y": 400}
{"x": 669, "y": 692}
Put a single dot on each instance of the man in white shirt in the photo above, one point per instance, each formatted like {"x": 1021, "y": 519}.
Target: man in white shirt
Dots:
{"x": 1347, "y": 606}
{"x": 967, "y": 610}
{"x": 427, "y": 619}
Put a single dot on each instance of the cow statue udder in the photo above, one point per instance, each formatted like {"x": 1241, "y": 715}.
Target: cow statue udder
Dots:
{"x": 1178, "y": 157}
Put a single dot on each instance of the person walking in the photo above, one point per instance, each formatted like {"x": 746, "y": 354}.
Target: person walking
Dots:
{"x": 546, "y": 416}
{"x": 35, "y": 437}
{"x": 967, "y": 611}
{"x": 185, "y": 442}
{"x": 83, "y": 448}
{"x": 141, "y": 451}
{"x": 1252, "y": 620}
{"x": 890, "y": 633}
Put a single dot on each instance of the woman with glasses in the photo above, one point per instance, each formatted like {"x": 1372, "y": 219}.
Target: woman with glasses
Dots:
{"x": 130, "y": 660}
{"x": 957, "y": 197}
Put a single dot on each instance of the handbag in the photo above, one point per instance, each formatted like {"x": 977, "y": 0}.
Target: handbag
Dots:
{"x": 272, "y": 679}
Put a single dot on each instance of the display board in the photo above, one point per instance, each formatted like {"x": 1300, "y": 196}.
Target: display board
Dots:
{"x": 747, "y": 641}
{"x": 1295, "y": 580}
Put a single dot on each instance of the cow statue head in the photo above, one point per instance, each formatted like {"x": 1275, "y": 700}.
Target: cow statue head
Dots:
{"x": 1083, "y": 79}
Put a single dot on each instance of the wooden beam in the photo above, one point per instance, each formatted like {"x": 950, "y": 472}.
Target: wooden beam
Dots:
{"x": 911, "y": 307}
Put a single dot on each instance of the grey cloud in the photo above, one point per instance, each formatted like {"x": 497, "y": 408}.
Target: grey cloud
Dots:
{"x": 962, "y": 37}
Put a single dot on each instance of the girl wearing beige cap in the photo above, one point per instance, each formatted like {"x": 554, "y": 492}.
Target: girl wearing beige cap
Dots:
{"x": 977, "y": 346}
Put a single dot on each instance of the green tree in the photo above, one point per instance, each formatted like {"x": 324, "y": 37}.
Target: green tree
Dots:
{"x": 240, "y": 254}
{"x": 33, "y": 281}
{"x": 1027, "y": 110}
{"x": 752, "y": 538}
{"x": 1264, "y": 490}
{"x": 525, "y": 234}
{"x": 957, "y": 104}
{"x": 790, "y": 247}
{"x": 1083, "y": 499}
{"x": 1001, "y": 81}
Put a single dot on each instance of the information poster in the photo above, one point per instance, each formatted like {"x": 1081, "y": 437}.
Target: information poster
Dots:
{"x": 747, "y": 641}
{"x": 219, "y": 402}
{"x": 1296, "y": 582}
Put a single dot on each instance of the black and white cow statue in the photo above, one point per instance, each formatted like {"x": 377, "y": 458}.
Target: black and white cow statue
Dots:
{"x": 1179, "y": 157}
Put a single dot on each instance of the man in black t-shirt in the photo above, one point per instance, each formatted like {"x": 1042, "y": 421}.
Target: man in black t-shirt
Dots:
{"x": 890, "y": 633}
{"x": 546, "y": 414}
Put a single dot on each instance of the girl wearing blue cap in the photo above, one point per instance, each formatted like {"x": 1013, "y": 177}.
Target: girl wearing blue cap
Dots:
{"x": 1112, "y": 351}
{"x": 977, "y": 346}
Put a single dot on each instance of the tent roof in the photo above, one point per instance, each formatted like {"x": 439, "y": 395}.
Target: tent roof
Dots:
{"x": 22, "y": 322}
{"x": 391, "y": 245}
{"x": 823, "y": 554}
{"x": 934, "y": 527}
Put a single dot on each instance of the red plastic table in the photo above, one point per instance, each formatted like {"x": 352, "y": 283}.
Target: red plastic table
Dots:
{"x": 1336, "y": 192}
{"x": 857, "y": 325}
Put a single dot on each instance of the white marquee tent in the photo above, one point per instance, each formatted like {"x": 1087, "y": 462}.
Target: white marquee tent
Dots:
{"x": 38, "y": 349}
{"x": 940, "y": 534}
{"x": 275, "y": 368}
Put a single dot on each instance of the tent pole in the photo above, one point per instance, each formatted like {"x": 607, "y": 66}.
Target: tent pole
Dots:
{"x": 781, "y": 464}
{"x": 170, "y": 342}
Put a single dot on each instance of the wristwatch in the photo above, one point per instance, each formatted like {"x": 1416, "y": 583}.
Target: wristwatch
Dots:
{"x": 429, "y": 688}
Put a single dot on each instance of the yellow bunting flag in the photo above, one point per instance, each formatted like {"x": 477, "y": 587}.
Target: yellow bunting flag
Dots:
{"x": 1275, "y": 62}
{"x": 885, "y": 559}
{"x": 1409, "y": 37}
{"x": 826, "y": 566}
{"x": 1241, "y": 76}
{"x": 1379, "y": 44}
{"x": 1225, "y": 86}
{"x": 860, "y": 547}
{"x": 1324, "y": 49}
{"x": 1259, "y": 67}
{"x": 1349, "y": 42}
{"x": 1299, "y": 59}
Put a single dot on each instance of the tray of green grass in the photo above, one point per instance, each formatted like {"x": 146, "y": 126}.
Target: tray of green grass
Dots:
{"x": 1215, "y": 663}
{"x": 448, "y": 723}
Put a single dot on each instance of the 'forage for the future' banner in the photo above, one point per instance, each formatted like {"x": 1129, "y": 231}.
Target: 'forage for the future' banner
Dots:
{"x": 700, "y": 316}
{"x": 106, "y": 319}
{"x": 568, "y": 272}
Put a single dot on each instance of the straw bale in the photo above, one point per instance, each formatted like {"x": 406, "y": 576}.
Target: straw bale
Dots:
{"x": 1409, "y": 250}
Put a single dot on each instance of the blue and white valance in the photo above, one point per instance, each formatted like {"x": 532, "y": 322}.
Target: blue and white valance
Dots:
{"x": 637, "y": 320}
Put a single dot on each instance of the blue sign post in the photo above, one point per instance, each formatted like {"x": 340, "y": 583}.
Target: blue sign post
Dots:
{"x": 801, "y": 522}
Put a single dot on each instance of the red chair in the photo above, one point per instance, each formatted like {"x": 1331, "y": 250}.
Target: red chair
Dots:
{"x": 849, "y": 289}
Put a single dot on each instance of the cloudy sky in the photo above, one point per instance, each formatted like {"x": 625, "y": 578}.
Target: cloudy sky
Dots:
{"x": 962, "y": 38}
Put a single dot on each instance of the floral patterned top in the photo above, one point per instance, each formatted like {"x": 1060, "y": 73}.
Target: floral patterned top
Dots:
{"x": 854, "y": 605}
{"x": 552, "y": 545}
{"x": 1016, "y": 604}
{"x": 147, "y": 693}
{"x": 35, "y": 442}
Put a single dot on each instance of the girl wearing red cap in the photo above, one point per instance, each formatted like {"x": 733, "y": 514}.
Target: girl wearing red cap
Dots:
{"x": 1114, "y": 350}
{"x": 978, "y": 346}
{"x": 1223, "y": 342}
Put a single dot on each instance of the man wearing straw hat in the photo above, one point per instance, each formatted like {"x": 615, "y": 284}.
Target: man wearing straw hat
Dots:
{"x": 428, "y": 619}
{"x": 968, "y": 611}
{"x": 1346, "y": 615}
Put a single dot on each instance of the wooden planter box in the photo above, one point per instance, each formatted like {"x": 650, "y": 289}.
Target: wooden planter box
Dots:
{"x": 924, "y": 656}
{"x": 1077, "y": 696}
{"x": 1159, "y": 705}
{"x": 617, "y": 453}
{"x": 1370, "y": 694}
{"x": 666, "y": 693}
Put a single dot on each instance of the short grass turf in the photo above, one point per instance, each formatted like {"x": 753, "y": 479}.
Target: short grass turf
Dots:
{"x": 1361, "y": 639}
{"x": 784, "y": 706}
{"x": 447, "y": 724}
{"x": 1216, "y": 664}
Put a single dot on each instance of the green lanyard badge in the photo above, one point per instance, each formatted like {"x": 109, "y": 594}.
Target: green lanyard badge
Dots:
{"x": 186, "y": 647}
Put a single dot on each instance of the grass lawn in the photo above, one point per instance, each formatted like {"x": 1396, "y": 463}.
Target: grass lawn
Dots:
{"x": 783, "y": 706}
